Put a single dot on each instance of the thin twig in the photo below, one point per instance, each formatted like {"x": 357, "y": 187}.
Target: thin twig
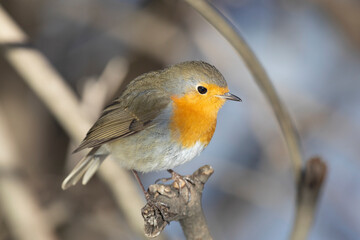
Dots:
{"x": 309, "y": 189}
{"x": 52, "y": 89}
{"x": 300, "y": 230}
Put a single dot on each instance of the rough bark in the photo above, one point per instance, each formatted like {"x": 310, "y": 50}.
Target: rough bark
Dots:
{"x": 168, "y": 204}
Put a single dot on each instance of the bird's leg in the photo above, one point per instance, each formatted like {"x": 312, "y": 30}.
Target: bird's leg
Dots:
{"x": 147, "y": 195}
{"x": 151, "y": 204}
{"x": 179, "y": 180}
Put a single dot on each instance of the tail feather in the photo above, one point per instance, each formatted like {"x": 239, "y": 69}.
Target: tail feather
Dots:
{"x": 86, "y": 167}
{"x": 93, "y": 166}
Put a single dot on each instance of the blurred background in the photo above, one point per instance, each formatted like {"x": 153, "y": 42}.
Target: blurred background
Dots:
{"x": 310, "y": 49}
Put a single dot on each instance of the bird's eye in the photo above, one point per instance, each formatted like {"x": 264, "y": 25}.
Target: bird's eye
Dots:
{"x": 202, "y": 90}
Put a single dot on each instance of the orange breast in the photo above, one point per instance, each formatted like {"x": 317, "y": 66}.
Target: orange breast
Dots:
{"x": 194, "y": 117}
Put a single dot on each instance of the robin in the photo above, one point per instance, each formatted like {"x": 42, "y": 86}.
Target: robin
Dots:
{"x": 163, "y": 119}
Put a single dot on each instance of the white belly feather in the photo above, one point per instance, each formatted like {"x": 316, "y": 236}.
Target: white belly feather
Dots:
{"x": 178, "y": 155}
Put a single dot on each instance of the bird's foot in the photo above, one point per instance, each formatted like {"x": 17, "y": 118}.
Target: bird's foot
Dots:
{"x": 154, "y": 214}
{"x": 179, "y": 182}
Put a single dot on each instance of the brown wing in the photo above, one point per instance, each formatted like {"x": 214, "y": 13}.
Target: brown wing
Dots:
{"x": 127, "y": 117}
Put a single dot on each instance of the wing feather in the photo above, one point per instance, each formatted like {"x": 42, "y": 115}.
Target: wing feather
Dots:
{"x": 127, "y": 115}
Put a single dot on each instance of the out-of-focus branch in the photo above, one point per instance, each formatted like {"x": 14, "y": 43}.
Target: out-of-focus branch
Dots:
{"x": 19, "y": 206}
{"x": 309, "y": 188}
{"x": 52, "y": 89}
{"x": 167, "y": 204}
{"x": 98, "y": 92}
{"x": 306, "y": 196}
{"x": 346, "y": 14}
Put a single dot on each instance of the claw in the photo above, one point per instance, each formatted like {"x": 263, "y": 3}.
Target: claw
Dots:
{"x": 179, "y": 182}
{"x": 162, "y": 180}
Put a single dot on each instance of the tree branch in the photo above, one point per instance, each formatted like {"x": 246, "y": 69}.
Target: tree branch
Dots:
{"x": 167, "y": 204}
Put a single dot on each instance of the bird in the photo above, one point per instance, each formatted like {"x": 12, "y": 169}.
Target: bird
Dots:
{"x": 163, "y": 119}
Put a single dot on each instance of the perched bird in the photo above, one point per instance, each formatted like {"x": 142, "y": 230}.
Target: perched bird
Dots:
{"x": 163, "y": 119}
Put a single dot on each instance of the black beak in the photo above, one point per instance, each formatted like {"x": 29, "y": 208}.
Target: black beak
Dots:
{"x": 229, "y": 96}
